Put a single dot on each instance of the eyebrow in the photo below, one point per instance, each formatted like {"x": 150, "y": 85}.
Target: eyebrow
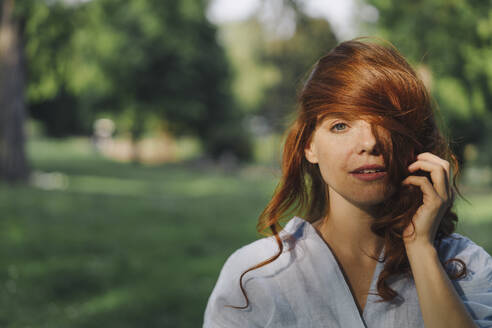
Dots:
{"x": 335, "y": 116}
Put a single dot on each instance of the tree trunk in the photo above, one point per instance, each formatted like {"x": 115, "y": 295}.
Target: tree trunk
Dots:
{"x": 137, "y": 130}
{"x": 13, "y": 163}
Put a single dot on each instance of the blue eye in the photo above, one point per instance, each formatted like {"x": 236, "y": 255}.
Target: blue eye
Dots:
{"x": 339, "y": 126}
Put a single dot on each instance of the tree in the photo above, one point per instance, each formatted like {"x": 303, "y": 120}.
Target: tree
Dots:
{"x": 272, "y": 55}
{"x": 143, "y": 58}
{"x": 451, "y": 40}
{"x": 293, "y": 58}
{"x": 52, "y": 90}
{"x": 162, "y": 58}
{"x": 13, "y": 163}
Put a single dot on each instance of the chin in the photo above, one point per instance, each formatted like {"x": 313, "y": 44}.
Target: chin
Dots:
{"x": 368, "y": 202}
{"x": 370, "y": 198}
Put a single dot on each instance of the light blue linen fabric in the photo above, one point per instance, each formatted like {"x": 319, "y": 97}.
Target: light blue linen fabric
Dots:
{"x": 305, "y": 287}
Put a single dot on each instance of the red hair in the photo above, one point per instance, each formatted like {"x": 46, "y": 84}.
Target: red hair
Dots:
{"x": 357, "y": 79}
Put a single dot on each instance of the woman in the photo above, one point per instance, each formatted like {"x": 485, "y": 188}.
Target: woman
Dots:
{"x": 366, "y": 167}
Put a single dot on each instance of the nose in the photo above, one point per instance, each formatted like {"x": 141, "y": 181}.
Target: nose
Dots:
{"x": 366, "y": 140}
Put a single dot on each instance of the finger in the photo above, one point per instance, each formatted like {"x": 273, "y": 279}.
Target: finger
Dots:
{"x": 436, "y": 159}
{"x": 438, "y": 176}
{"x": 424, "y": 184}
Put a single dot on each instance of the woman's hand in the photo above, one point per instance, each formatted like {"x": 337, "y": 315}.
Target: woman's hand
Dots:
{"x": 440, "y": 304}
{"x": 437, "y": 197}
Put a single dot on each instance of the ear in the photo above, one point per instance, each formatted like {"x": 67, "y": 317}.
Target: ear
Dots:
{"x": 310, "y": 153}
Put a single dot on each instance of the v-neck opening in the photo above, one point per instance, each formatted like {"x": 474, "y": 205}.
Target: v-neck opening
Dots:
{"x": 342, "y": 274}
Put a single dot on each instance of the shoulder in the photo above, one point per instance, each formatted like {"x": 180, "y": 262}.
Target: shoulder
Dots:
{"x": 478, "y": 261}
{"x": 227, "y": 292}
{"x": 258, "y": 283}
{"x": 264, "y": 249}
{"x": 250, "y": 254}
{"x": 457, "y": 245}
{"x": 474, "y": 288}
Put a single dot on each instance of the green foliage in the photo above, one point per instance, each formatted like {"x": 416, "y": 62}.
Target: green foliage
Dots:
{"x": 151, "y": 58}
{"x": 453, "y": 39}
{"x": 47, "y": 30}
{"x": 172, "y": 65}
{"x": 252, "y": 76}
{"x": 452, "y": 97}
{"x": 293, "y": 58}
{"x": 269, "y": 67}
{"x": 49, "y": 52}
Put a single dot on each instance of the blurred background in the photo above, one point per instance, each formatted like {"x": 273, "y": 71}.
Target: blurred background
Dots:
{"x": 140, "y": 140}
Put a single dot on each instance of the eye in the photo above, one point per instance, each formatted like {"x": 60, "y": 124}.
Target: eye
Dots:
{"x": 339, "y": 127}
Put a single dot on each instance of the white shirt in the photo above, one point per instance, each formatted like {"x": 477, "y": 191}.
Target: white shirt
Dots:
{"x": 305, "y": 287}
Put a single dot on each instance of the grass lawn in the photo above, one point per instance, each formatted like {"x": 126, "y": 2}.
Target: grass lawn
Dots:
{"x": 128, "y": 246}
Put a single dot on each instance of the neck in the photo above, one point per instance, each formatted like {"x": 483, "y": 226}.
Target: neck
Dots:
{"x": 347, "y": 229}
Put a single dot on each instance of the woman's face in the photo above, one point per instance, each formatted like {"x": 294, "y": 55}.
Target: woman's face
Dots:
{"x": 341, "y": 148}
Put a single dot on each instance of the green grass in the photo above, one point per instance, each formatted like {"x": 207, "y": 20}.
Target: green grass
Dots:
{"x": 129, "y": 246}
{"x": 121, "y": 246}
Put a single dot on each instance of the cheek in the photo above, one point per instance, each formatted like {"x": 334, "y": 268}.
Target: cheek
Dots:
{"x": 333, "y": 164}
{"x": 335, "y": 156}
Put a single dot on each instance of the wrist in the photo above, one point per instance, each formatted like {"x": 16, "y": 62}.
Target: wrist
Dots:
{"x": 423, "y": 248}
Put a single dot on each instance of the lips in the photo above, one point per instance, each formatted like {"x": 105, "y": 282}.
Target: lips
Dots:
{"x": 370, "y": 167}
{"x": 369, "y": 172}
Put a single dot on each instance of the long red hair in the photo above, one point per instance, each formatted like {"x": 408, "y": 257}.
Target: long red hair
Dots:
{"x": 355, "y": 79}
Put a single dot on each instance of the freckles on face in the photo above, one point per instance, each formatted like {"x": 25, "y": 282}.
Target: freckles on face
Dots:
{"x": 339, "y": 147}
{"x": 333, "y": 153}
